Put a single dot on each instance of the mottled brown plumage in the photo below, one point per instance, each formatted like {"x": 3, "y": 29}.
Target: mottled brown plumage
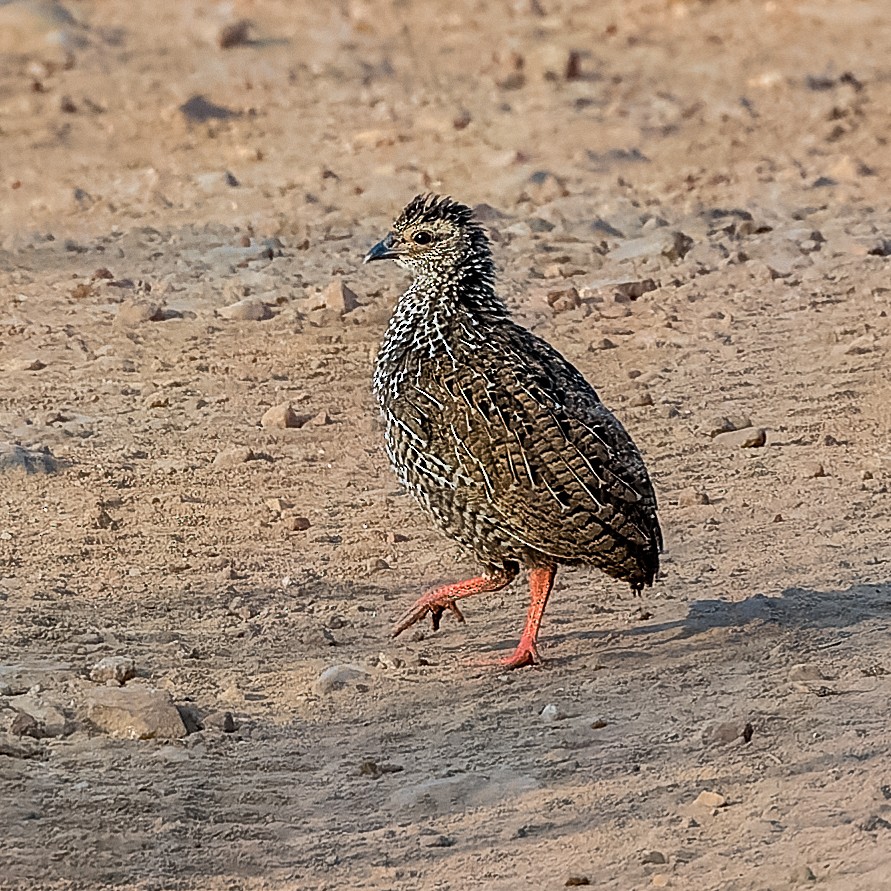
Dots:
{"x": 501, "y": 440}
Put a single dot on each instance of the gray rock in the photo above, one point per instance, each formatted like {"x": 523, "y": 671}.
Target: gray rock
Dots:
{"x": 17, "y": 457}
{"x": 653, "y": 857}
{"x": 113, "y": 668}
{"x": 50, "y": 718}
{"x": 668, "y": 243}
{"x": 12, "y": 746}
{"x": 336, "y": 677}
{"x": 135, "y": 712}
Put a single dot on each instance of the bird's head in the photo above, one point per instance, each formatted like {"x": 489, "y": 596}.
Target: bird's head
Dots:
{"x": 436, "y": 236}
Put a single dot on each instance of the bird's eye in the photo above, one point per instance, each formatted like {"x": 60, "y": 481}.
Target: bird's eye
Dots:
{"x": 422, "y": 237}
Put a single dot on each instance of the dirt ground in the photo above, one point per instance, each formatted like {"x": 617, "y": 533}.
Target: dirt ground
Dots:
{"x": 172, "y": 213}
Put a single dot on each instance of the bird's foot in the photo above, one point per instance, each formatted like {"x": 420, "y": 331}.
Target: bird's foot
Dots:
{"x": 435, "y": 603}
{"x": 525, "y": 654}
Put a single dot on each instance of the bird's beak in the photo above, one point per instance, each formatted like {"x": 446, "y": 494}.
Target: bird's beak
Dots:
{"x": 383, "y": 250}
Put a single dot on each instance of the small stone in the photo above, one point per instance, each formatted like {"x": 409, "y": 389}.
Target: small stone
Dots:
{"x": 17, "y": 747}
{"x": 320, "y": 419}
{"x": 281, "y": 417}
{"x": 576, "y": 882}
{"x": 660, "y": 880}
{"x": 721, "y": 734}
{"x": 438, "y": 841}
{"x": 550, "y": 713}
{"x": 564, "y": 299}
{"x": 653, "y": 857}
{"x": 16, "y": 457}
{"x": 296, "y": 524}
{"x": 668, "y": 243}
{"x": 339, "y": 298}
{"x": 119, "y": 669}
{"x": 690, "y": 497}
{"x": 710, "y": 800}
{"x": 50, "y": 718}
{"x": 544, "y": 186}
{"x": 247, "y": 310}
{"x": 336, "y": 677}
{"x": 813, "y": 470}
{"x": 726, "y": 424}
{"x": 234, "y": 34}
{"x": 136, "y": 312}
{"x": 233, "y": 456}
{"x": 27, "y": 363}
{"x": 747, "y": 438}
{"x": 24, "y": 724}
{"x": 802, "y": 874}
{"x": 135, "y": 712}
{"x": 641, "y": 399}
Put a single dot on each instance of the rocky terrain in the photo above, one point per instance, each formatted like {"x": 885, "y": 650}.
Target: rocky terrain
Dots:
{"x": 202, "y": 548}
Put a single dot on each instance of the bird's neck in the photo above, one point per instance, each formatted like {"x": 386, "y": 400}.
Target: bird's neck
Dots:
{"x": 466, "y": 289}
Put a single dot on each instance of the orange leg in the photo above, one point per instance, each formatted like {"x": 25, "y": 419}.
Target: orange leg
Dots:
{"x": 540, "y": 583}
{"x": 438, "y": 600}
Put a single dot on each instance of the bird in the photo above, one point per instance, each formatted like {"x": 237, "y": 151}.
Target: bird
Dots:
{"x": 500, "y": 439}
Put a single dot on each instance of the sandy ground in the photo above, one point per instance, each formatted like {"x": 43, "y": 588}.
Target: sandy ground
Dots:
{"x": 733, "y": 156}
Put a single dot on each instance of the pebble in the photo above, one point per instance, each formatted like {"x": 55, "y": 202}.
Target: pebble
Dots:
{"x": 564, "y": 299}
{"x": 336, "y": 677}
{"x": 710, "y": 799}
{"x": 653, "y": 857}
{"x": 248, "y": 310}
{"x": 233, "y": 456}
{"x": 576, "y": 882}
{"x": 691, "y": 496}
{"x": 639, "y": 400}
{"x": 234, "y": 34}
{"x": 339, "y": 298}
{"x": 41, "y": 718}
{"x": 747, "y": 438}
{"x": 668, "y": 243}
{"x": 282, "y": 416}
{"x": 813, "y": 470}
{"x": 722, "y": 734}
{"x": 17, "y": 747}
{"x": 135, "y": 712}
{"x": 544, "y": 186}
{"x": 550, "y": 713}
{"x": 118, "y": 669}
{"x": 26, "y": 363}
{"x": 16, "y": 457}
{"x": 437, "y": 841}
{"x": 802, "y": 874}
{"x": 660, "y": 880}
{"x": 136, "y": 312}
{"x": 726, "y": 424}
{"x": 296, "y": 524}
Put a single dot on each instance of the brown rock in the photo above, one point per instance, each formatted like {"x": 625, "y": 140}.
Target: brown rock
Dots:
{"x": 710, "y": 800}
{"x": 339, "y": 298}
{"x": 113, "y": 668}
{"x": 135, "y": 712}
{"x": 297, "y": 524}
{"x": 689, "y": 497}
{"x": 747, "y": 438}
{"x": 234, "y": 34}
{"x": 564, "y": 299}
{"x": 282, "y": 416}
{"x": 135, "y": 312}
{"x": 248, "y": 310}
{"x": 233, "y": 456}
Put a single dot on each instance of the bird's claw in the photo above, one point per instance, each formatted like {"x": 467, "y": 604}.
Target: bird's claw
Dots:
{"x": 435, "y": 606}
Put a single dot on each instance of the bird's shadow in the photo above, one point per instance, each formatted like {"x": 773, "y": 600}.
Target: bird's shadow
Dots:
{"x": 795, "y": 609}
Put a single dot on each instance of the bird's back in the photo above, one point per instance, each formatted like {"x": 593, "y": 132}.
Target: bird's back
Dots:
{"x": 510, "y": 449}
